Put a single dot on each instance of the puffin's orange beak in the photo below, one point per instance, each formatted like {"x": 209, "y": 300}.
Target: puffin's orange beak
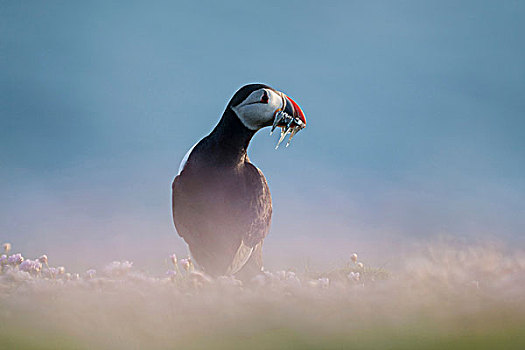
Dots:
{"x": 298, "y": 112}
{"x": 290, "y": 118}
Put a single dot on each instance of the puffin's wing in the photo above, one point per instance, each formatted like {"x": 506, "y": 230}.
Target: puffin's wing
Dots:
{"x": 212, "y": 230}
{"x": 186, "y": 209}
{"x": 222, "y": 238}
{"x": 260, "y": 207}
{"x": 239, "y": 260}
{"x": 260, "y": 214}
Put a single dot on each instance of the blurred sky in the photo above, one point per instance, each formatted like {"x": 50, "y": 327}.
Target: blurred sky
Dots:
{"x": 415, "y": 109}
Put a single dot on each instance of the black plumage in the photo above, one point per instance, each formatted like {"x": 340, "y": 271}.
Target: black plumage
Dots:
{"x": 222, "y": 205}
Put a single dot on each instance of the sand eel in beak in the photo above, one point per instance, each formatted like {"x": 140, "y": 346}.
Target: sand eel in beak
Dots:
{"x": 222, "y": 205}
{"x": 290, "y": 118}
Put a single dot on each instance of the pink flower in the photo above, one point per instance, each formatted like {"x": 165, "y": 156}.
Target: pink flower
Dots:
{"x": 53, "y": 272}
{"x": 26, "y": 265}
{"x": 31, "y": 266}
{"x": 185, "y": 263}
{"x": 15, "y": 259}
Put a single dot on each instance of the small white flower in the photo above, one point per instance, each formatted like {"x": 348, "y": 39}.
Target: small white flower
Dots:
{"x": 91, "y": 273}
{"x": 354, "y": 276}
{"x": 290, "y": 275}
{"x": 7, "y": 247}
{"x": 3, "y": 259}
{"x": 173, "y": 258}
{"x": 360, "y": 265}
{"x": 353, "y": 257}
{"x": 61, "y": 270}
{"x": 43, "y": 259}
{"x": 269, "y": 276}
{"x": 324, "y": 282}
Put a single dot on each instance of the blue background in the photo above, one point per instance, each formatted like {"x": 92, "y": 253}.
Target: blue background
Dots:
{"x": 415, "y": 110}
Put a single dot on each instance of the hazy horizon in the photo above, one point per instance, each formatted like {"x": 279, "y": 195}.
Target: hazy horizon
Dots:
{"x": 415, "y": 117}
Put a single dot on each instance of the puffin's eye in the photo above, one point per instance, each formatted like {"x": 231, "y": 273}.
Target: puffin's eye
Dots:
{"x": 265, "y": 98}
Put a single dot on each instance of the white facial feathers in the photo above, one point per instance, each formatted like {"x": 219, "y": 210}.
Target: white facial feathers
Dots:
{"x": 258, "y": 108}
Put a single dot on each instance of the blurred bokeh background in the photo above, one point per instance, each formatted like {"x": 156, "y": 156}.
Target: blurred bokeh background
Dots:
{"x": 416, "y": 122}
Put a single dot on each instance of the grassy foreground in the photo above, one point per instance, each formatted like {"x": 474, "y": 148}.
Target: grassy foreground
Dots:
{"x": 444, "y": 297}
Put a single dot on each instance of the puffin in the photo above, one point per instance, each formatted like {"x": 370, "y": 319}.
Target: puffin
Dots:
{"x": 221, "y": 202}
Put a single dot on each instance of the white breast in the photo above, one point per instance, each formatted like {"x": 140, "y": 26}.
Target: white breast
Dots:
{"x": 185, "y": 159}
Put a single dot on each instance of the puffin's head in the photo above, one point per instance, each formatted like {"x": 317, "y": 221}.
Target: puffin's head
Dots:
{"x": 258, "y": 106}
